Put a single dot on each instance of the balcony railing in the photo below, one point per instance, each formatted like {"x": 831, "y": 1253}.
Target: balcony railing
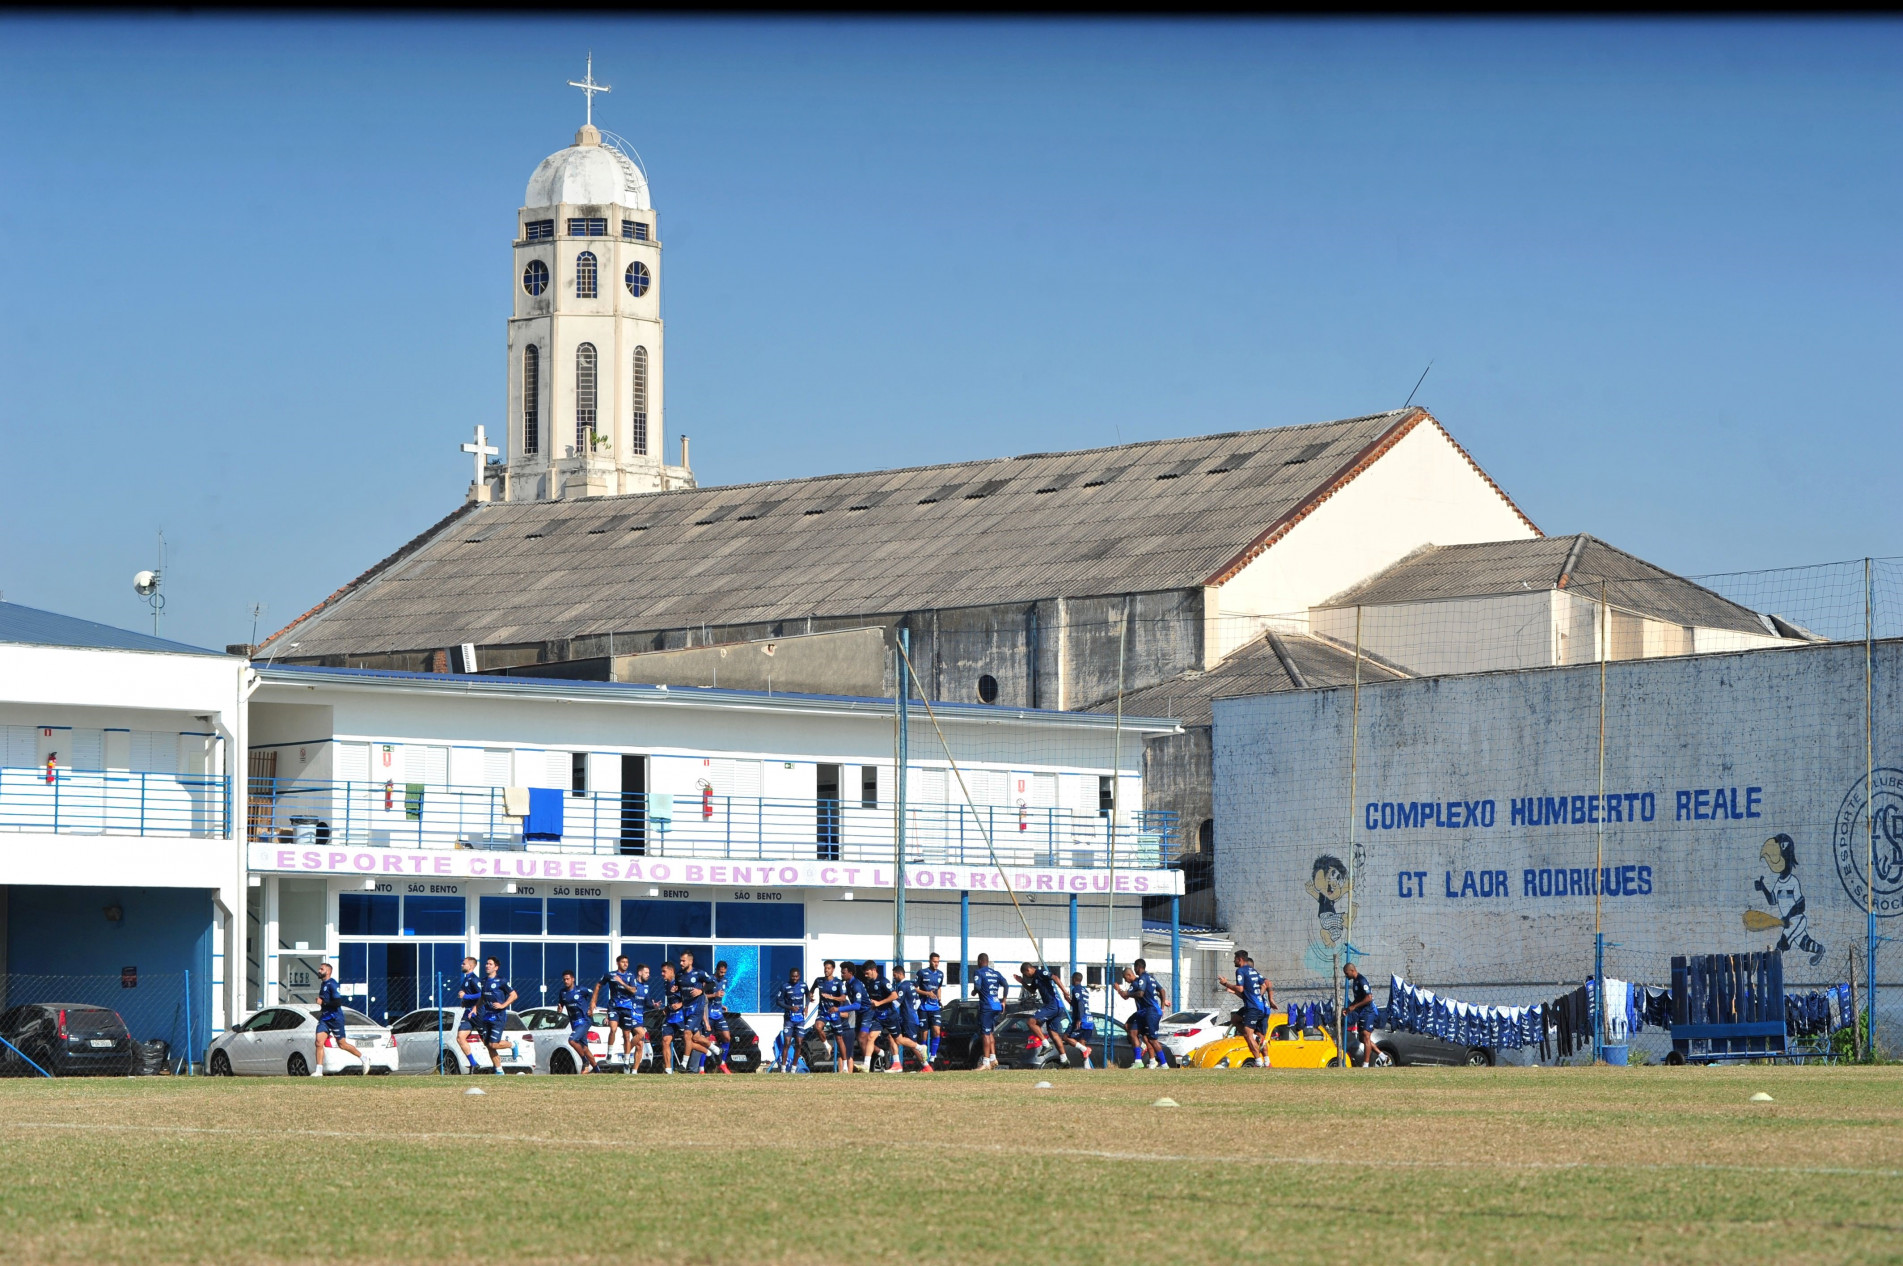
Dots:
{"x": 715, "y": 827}
{"x": 114, "y": 802}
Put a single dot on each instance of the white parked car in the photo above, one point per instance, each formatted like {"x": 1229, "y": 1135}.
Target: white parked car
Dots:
{"x": 549, "y": 1032}
{"x": 1183, "y": 1031}
{"x": 280, "y": 1041}
{"x": 418, "y": 1050}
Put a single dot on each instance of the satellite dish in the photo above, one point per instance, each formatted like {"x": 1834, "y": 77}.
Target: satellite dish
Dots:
{"x": 146, "y": 583}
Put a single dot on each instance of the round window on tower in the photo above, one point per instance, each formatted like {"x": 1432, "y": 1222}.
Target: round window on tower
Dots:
{"x": 987, "y": 689}
{"x": 535, "y": 277}
{"x": 639, "y": 279}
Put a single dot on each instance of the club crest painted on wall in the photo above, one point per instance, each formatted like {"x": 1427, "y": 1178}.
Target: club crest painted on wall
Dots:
{"x": 1868, "y": 836}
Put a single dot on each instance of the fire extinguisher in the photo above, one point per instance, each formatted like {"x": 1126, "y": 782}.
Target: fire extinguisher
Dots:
{"x": 52, "y": 766}
{"x": 389, "y": 795}
{"x": 706, "y": 799}
{"x": 1024, "y": 817}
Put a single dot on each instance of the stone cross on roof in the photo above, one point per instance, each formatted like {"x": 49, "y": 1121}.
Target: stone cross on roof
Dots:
{"x": 481, "y": 448}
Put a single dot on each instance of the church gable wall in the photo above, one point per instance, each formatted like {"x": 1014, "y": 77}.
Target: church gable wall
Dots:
{"x": 1423, "y": 491}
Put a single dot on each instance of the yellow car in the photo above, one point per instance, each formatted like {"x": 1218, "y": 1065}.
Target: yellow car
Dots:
{"x": 1288, "y": 1048}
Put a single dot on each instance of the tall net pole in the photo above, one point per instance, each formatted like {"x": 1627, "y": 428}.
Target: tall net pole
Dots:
{"x": 1869, "y": 825}
{"x": 1599, "y": 845}
{"x": 1110, "y": 888}
{"x": 1348, "y": 924}
{"x": 898, "y": 801}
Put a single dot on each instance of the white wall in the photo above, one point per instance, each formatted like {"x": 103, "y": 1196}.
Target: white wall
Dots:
{"x": 1423, "y": 491}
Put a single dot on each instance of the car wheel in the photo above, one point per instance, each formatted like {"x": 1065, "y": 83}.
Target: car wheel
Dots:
{"x": 220, "y": 1065}
{"x": 1334, "y": 1061}
{"x": 1675, "y": 1060}
{"x": 448, "y": 1064}
{"x": 1479, "y": 1057}
{"x": 561, "y": 1063}
{"x": 297, "y": 1065}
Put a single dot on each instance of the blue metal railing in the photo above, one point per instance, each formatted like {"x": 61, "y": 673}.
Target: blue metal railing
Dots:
{"x": 314, "y": 814}
{"x": 113, "y": 802}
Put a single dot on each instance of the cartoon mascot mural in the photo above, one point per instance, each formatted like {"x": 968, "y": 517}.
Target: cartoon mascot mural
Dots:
{"x": 1334, "y": 909}
{"x": 1785, "y": 895}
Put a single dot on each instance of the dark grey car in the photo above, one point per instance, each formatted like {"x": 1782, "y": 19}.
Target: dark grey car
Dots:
{"x": 1419, "y": 1048}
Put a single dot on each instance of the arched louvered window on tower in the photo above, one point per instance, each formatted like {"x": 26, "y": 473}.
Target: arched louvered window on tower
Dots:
{"x": 640, "y": 418}
{"x": 584, "y": 395}
{"x": 585, "y": 275}
{"x": 531, "y": 399}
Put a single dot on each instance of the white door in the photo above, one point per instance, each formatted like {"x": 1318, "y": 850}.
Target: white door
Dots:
{"x": 247, "y": 1050}
{"x": 292, "y": 1032}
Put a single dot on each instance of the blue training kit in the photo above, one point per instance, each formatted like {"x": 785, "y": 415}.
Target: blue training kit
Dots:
{"x": 470, "y": 996}
{"x": 1080, "y": 1021}
{"x": 330, "y": 1009}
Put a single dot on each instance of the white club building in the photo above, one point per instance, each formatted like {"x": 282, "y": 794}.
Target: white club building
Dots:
{"x": 122, "y": 874}
{"x": 398, "y": 821}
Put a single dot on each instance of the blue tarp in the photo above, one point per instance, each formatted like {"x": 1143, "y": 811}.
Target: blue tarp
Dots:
{"x": 545, "y": 814}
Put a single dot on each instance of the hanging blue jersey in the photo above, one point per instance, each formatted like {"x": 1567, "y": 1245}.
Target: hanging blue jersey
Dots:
{"x": 990, "y": 986}
{"x": 471, "y": 994}
{"x": 574, "y": 1002}
{"x": 1249, "y": 980}
{"x": 790, "y": 1001}
{"x": 929, "y": 980}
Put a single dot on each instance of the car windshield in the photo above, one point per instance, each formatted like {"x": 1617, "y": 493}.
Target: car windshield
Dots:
{"x": 1186, "y": 1017}
{"x": 360, "y": 1019}
{"x": 92, "y": 1020}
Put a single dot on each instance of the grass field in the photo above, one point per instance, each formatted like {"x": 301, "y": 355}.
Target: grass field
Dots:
{"x": 1647, "y": 1164}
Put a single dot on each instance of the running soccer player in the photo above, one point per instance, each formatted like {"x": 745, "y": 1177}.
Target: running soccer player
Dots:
{"x": 886, "y": 1018}
{"x": 990, "y": 986}
{"x": 831, "y": 991}
{"x": 672, "y": 1020}
{"x": 330, "y": 1020}
{"x": 470, "y": 996}
{"x": 1143, "y": 989}
{"x": 695, "y": 985}
{"x": 717, "y": 1025}
{"x": 859, "y": 1007}
{"x": 1040, "y": 984}
{"x": 578, "y": 1007}
{"x": 1252, "y": 1018}
{"x": 627, "y": 996}
{"x": 1082, "y": 1030}
{"x": 493, "y": 1018}
{"x": 930, "y": 980}
{"x": 790, "y": 1001}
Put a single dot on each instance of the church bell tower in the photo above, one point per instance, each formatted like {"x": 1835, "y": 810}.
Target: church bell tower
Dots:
{"x": 586, "y": 384}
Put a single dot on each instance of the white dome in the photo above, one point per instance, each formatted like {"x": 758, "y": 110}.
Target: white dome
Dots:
{"x": 588, "y": 172}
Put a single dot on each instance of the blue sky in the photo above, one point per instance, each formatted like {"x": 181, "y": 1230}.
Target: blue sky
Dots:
{"x": 259, "y": 269}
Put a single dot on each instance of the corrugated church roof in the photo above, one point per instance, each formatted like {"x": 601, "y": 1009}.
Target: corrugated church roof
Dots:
{"x": 1142, "y": 517}
{"x": 1580, "y": 563}
{"x": 1275, "y": 662}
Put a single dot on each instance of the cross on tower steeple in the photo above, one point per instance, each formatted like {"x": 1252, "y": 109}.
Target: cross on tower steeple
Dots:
{"x": 589, "y": 87}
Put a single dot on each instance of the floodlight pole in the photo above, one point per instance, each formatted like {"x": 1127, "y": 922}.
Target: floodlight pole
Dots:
{"x": 898, "y": 804}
